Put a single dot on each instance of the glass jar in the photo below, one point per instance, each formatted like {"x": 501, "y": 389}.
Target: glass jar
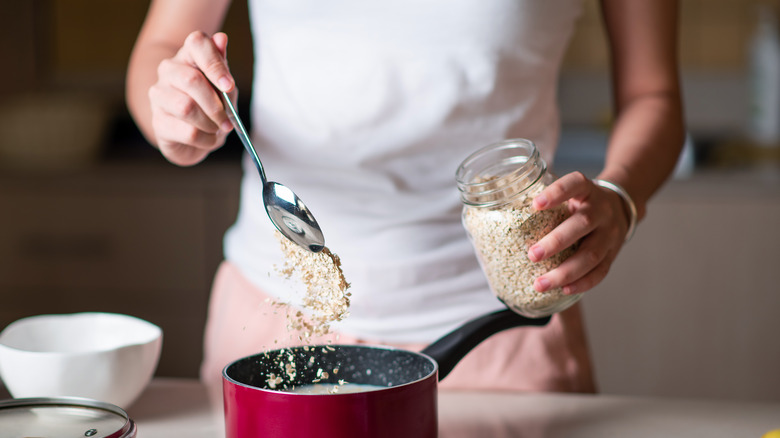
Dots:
{"x": 497, "y": 185}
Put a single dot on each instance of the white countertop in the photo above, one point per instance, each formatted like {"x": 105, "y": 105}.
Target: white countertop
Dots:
{"x": 179, "y": 407}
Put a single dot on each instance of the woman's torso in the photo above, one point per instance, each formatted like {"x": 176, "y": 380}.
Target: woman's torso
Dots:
{"x": 365, "y": 109}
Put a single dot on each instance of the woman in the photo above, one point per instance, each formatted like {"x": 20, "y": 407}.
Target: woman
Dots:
{"x": 366, "y": 108}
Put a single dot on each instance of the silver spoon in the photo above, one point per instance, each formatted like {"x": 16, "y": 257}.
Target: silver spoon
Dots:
{"x": 286, "y": 210}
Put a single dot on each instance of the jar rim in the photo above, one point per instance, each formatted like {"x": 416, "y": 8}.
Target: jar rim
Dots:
{"x": 528, "y": 163}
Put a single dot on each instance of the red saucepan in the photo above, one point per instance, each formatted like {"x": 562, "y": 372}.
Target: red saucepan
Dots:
{"x": 405, "y": 406}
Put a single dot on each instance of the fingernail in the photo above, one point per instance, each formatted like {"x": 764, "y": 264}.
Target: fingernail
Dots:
{"x": 224, "y": 83}
{"x": 570, "y": 290}
{"x": 226, "y": 126}
{"x": 540, "y": 201}
{"x": 536, "y": 253}
{"x": 541, "y": 284}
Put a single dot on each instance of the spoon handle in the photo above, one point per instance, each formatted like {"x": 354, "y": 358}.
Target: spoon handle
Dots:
{"x": 242, "y": 133}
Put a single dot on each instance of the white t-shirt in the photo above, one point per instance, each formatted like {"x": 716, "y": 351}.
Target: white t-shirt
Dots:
{"x": 365, "y": 109}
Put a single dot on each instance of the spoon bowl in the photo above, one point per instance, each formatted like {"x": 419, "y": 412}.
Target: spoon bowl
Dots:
{"x": 286, "y": 210}
{"x": 298, "y": 224}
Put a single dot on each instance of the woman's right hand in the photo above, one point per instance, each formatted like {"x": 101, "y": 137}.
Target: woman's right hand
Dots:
{"x": 188, "y": 118}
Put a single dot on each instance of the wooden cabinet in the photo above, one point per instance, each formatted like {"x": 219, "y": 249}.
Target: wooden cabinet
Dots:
{"x": 138, "y": 239}
{"x": 125, "y": 243}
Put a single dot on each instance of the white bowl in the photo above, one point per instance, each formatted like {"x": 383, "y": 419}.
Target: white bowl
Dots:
{"x": 102, "y": 356}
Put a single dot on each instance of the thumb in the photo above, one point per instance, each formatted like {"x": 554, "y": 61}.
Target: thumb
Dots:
{"x": 221, "y": 41}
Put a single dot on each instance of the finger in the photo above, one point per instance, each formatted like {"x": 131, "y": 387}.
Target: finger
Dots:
{"x": 567, "y": 233}
{"x": 180, "y": 105}
{"x": 573, "y": 185}
{"x": 588, "y": 281}
{"x": 182, "y": 155}
{"x": 172, "y": 130}
{"x": 580, "y": 272}
{"x": 220, "y": 40}
{"x": 210, "y": 59}
{"x": 191, "y": 82}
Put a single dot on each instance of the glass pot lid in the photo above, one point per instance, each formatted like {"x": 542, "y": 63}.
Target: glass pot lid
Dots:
{"x": 63, "y": 417}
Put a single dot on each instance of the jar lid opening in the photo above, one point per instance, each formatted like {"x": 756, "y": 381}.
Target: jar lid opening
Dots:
{"x": 497, "y": 173}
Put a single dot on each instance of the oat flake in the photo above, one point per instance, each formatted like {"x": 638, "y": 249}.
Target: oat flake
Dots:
{"x": 502, "y": 236}
{"x": 325, "y": 298}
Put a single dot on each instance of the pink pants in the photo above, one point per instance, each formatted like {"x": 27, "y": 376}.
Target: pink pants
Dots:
{"x": 554, "y": 358}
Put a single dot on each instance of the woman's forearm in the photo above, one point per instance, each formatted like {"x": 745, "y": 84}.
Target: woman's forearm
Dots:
{"x": 141, "y": 75}
{"x": 648, "y": 133}
{"x": 167, "y": 25}
{"x": 644, "y": 146}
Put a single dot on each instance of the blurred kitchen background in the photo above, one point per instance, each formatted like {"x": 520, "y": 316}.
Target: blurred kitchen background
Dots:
{"x": 94, "y": 219}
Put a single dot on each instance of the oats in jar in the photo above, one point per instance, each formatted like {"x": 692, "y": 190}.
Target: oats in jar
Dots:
{"x": 502, "y": 237}
{"x": 497, "y": 185}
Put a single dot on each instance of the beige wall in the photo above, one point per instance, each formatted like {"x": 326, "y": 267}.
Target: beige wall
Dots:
{"x": 713, "y": 35}
{"x": 691, "y": 308}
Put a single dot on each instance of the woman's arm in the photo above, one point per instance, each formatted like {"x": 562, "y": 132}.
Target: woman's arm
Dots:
{"x": 176, "y": 58}
{"x": 643, "y": 149}
{"x": 648, "y": 133}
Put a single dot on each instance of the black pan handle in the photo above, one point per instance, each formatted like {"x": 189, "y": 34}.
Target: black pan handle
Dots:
{"x": 451, "y": 348}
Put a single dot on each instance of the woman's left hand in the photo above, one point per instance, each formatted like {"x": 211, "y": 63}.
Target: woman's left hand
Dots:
{"x": 598, "y": 221}
{"x": 646, "y": 138}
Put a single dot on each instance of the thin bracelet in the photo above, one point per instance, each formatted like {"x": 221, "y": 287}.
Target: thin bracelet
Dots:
{"x": 629, "y": 203}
